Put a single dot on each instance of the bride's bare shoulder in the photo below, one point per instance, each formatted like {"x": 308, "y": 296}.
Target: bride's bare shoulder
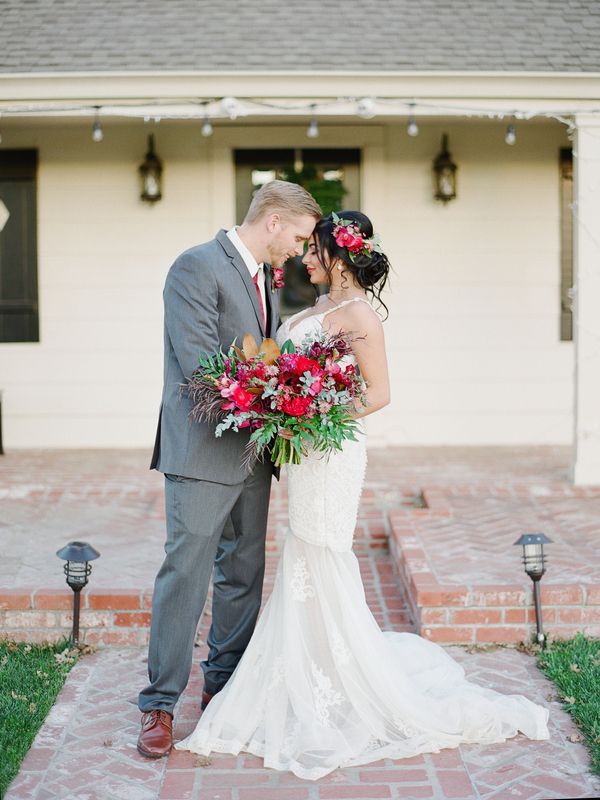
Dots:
{"x": 357, "y": 315}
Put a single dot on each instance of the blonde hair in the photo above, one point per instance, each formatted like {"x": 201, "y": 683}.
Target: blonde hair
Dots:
{"x": 287, "y": 199}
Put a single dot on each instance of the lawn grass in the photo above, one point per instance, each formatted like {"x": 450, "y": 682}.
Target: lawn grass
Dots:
{"x": 573, "y": 665}
{"x": 31, "y": 676}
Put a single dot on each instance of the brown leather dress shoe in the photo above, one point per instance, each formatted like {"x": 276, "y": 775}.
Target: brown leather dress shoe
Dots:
{"x": 206, "y": 698}
{"x": 156, "y": 737}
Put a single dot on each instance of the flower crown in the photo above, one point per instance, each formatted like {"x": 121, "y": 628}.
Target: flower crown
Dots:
{"x": 347, "y": 234}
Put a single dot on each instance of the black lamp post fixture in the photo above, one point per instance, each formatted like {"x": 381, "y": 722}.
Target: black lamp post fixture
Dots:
{"x": 151, "y": 171}
{"x": 444, "y": 171}
{"x": 77, "y": 569}
{"x": 535, "y": 565}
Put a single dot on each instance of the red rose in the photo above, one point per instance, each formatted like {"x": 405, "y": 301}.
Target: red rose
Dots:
{"x": 296, "y": 406}
{"x": 356, "y": 244}
{"x": 304, "y": 364}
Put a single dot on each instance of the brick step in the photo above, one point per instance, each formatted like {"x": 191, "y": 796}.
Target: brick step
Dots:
{"x": 477, "y": 612}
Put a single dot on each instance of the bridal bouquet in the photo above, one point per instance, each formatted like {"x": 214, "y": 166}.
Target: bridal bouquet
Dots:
{"x": 291, "y": 398}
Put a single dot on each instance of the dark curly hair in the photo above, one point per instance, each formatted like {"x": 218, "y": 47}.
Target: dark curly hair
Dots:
{"x": 369, "y": 271}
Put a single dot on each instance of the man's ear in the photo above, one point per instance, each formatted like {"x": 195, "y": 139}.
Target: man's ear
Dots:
{"x": 272, "y": 221}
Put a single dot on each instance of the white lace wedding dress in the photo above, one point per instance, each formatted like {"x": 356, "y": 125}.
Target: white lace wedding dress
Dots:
{"x": 320, "y": 686}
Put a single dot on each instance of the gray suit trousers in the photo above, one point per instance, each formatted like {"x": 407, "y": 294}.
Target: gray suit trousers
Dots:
{"x": 207, "y": 524}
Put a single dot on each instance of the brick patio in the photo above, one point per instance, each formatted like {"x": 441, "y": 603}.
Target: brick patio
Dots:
{"x": 479, "y": 501}
{"x": 450, "y": 516}
{"x": 86, "y": 749}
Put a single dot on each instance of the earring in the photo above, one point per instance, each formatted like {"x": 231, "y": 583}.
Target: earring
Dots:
{"x": 339, "y": 266}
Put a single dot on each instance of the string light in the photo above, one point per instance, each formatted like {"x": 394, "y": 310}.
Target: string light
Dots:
{"x": 231, "y": 107}
{"x": 365, "y": 108}
{"x": 207, "y": 128}
{"x": 97, "y": 132}
{"x": 511, "y": 135}
{"x": 313, "y": 126}
{"x": 412, "y": 128}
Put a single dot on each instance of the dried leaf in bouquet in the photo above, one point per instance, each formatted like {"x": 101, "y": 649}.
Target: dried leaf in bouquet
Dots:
{"x": 270, "y": 351}
{"x": 249, "y": 346}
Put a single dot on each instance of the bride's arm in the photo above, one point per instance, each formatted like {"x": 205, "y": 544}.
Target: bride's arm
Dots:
{"x": 368, "y": 345}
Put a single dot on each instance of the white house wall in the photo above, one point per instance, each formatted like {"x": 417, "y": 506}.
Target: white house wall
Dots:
{"x": 473, "y": 339}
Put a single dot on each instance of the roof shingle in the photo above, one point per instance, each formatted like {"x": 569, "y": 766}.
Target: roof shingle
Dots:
{"x": 374, "y": 35}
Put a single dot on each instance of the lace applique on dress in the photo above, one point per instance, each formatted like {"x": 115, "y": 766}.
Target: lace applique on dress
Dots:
{"x": 407, "y": 730}
{"x": 374, "y": 744}
{"x": 300, "y": 586}
{"x": 325, "y": 695}
{"x": 341, "y": 654}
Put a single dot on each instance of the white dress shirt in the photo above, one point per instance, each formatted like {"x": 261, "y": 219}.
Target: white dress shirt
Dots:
{"x": 250, "y": 262}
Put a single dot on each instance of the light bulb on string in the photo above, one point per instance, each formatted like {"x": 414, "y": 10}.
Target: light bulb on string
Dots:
{"x": 207, "y": 128}
{"x": 231, "y": 107}
{"x": 97, "y": 132}
{"x": 412, "y": 128}
{"x": 365, "y": 108}
{"x": 511, "y": 135}
{"x": 313, "y": 127}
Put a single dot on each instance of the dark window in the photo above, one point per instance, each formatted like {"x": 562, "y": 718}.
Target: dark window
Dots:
{"x": 566, "y": 245}
{"x": 18, "y": 247}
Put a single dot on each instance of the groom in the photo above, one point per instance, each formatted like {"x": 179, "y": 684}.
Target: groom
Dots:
{"x": 216, "y": 510}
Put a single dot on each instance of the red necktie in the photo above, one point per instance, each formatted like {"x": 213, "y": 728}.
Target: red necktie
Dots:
{"x": 260, "y": 302}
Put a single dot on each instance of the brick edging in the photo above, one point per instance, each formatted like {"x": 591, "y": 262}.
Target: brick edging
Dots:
{"x": 480, "y": 613}
{"x": 109, "y": 615}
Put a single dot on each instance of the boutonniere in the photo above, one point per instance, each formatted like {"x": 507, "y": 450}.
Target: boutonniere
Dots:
{"x": 277, "y": 281}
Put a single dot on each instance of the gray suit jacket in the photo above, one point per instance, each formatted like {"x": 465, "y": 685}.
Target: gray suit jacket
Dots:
{"x": 210, "y": 300}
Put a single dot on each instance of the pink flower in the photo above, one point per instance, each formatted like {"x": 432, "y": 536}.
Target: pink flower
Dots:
{"x": 242, "y": 399}
{"x": 332, "y": 367}
{"x": 226, "y": 386}
{"x": 343, "y": 237}
{"x": 350, "y": 237}
{"x": 277, "y": 282}
{"x": 316, "y": 386}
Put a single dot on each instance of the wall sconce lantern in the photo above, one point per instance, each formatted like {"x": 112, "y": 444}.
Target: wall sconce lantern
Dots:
{"x": 534, "y": 562}
{"x": 77, "y": 570}
{"x": 444, "y": 170}
{"x": 150, "y": 172}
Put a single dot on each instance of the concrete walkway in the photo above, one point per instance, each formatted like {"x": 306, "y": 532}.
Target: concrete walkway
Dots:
{"x": 86, "y": 748}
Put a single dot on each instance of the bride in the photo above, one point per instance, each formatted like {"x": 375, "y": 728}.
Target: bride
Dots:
{"x": 320, "y": 686}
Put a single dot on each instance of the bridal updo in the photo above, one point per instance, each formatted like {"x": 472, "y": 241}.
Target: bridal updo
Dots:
{"x": 370, "y": 270}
